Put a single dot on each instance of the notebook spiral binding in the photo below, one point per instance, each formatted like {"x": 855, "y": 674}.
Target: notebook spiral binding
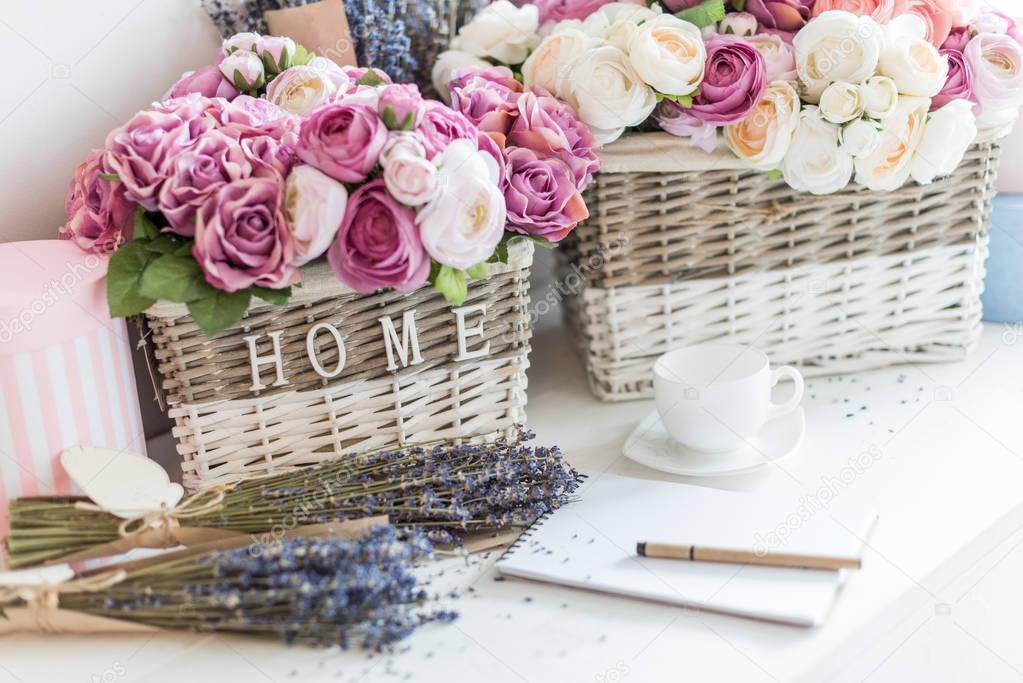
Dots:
{"x": 537, "y": 523}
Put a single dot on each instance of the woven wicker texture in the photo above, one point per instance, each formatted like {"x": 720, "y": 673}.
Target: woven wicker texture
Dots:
{"x": 659, "y": 227}
{"x": 686, "y": 251}
{"x": 226, "y": 432}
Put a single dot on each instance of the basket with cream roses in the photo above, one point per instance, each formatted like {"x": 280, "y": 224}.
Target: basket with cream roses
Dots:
{"x": 814, "y": 176}
{"x": 327, "y": 261}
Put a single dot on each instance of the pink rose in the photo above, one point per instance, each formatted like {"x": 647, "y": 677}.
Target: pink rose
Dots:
{"x": 342, "y": 140}
{"x": 412, "y": 180}
{"x": 378, "y": 245}
{"x": 405, "y": 104}
{"x": 786, "y": 16}
{"x": 673, "y": 119}
{"x": 541, "y": 196}
{"x": 559, "y": 10}
{"x": 242, "y": 238}
{"x": 441, "y": 126}
{"x": 997, "y": 66}
{"x": 247, "y": 116}
{"x": 194, "y": 175}
{"x": 487, "y": 97}
{"x": 938, "y": 17}
{"x": 206, "y": 81}
{"x": 139, "y": 151}
{"x": 99, "y": 215}
{"x": 993, "y": 21}
{"x": 881, "y": 11}
{"x": 958, "y": 39}
{"x": 355, "y": 73}
{"x": 779, "y": 56}
{"x": 550, "y": 128}
{"x": 735, "y": 80}
{"x": 270, "y": 158}
{"x": 958, "y": 84}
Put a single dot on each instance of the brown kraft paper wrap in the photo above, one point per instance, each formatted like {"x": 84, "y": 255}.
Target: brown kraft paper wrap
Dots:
{"x": 321, "y": 27}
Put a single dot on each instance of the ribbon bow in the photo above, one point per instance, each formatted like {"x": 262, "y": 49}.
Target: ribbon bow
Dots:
{"x": 41, "y": 602}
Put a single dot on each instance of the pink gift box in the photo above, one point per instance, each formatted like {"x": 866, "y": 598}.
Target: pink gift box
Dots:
{"x": 66, "y": 375}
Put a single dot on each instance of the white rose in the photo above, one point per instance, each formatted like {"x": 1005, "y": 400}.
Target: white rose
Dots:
{"x": 617, "y": 22}
{"x": 989, "y": 22}
{"x": 887, "y": 167}
{"x": 315, "y": 205}
{"x": 244, "y": 69}
{"x": 739, "y": 24}
{"x": 949, "y": 133}
{"x": 502, "y": 32}
{"x": 447, "y": 63}
{"x": 300, "y": 89}
{"x": 763, "y": 138}
{"x": 551, "y": 62}
{"x": 815, "y": 163}
{"x": 841, "y": 103}
{"x": 880, "y": 97}
{"x": 410, "y": 179}
{"x": 607, "y": 93}
{"x": 860, "y": 138}
{"x": 330, "y": 70}
{"x": 241, "y": 41}
{"x": 836, "y": 46}
{"x": 669, "y": 55}
{"x": 915, "y": 66}
{"x": 402, "y": 143}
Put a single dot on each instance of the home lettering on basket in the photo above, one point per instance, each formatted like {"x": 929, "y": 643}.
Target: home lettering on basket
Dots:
{"x": 398, "y": 348}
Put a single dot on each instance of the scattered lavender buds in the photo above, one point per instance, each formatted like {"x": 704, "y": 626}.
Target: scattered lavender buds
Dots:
{"x": 447, "y": 491}
{"x": 358, "y": 593}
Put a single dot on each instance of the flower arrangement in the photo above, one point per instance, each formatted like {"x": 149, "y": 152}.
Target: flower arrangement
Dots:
{"x": 353, "y": 592}
{"x": 817, "y": 91}
{"x": 270, "y": 158}
{"x": 446, "y": 491}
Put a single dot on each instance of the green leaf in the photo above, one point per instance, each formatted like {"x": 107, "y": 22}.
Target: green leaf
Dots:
{"x": 270, "y": 65}
{"x": 166, "y": 244}
{"x": 775, "y": 174}
{"x": 477, "y": 272}
{"x": 410, "y": 121}
{"x": 302, "y": 56}
{"x": 124, "y": 276}
{"x": 452, "y": 283}
{"x": 144, "y": 228}
{"x": 216, "y": 313}
{"x": 277, "y": 297}
{"x": 371, "y": 77}
{"x": 111, "y": 177}
{"x": 175, "y": 278}
{"x": 705, "y": 14}
{"x": 739, "y": 5}
{"x": 389, "y": 118}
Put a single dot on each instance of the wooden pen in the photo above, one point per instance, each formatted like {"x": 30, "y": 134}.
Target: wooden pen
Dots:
{"x": 694, "y": 553}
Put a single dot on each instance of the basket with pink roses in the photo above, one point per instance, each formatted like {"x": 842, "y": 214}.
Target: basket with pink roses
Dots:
{"x": 751, "y": 145}
{"x": 302, "y": 237}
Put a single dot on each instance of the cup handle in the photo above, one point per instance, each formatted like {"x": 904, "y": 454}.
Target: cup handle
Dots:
{"x": 777, "y": 410}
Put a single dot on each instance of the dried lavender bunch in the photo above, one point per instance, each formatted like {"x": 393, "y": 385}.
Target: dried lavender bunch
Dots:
{"x": 319, "y": 591}
{"x": 445, "y": 490}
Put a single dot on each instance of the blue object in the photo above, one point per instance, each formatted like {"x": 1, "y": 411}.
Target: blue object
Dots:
{"x": 1003, "y": 288}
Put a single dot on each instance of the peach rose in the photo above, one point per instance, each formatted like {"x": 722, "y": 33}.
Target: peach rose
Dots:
{"x": 763, "y": 138}
{"x": 938, "y": 18}
{"x": 881, "y": 11}
{"x": 888, "y": 167}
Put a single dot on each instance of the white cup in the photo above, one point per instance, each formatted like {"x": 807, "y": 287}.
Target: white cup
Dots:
{"x": 715, "y": 397}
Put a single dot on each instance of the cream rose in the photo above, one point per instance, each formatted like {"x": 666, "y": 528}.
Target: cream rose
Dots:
{"x": 915, "y": 66}
{"x": 501, "y": 31}
{"x": 860, "y": 138}
{"x": 617, "y": 22}
{"x": 608, "y": 94}
{"x": 315, "y": 205}
{"x": 412, "y": 180}
{"x": 880, "y": 97}
{"x": 669, "y": 55}
{"x": 300, "y": 89}
{"x": 551, "y": 62}
{"x": 949, "y": 133}
{"x": 836, "y": 46}
{"x": 887, "y": 168}
{"x": 841, "y": 102}
{"x": 448, "y": 62}
{"x": 763, "y": 138}
{"x": 815, "y": 163}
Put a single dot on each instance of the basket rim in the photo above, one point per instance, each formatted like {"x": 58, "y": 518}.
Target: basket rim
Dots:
{"x": 319, "y": 282}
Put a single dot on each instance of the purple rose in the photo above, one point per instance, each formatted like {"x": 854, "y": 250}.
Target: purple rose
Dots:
{"x": 787, "y": 16}
{"x": 734, "y": 84}
{"x": 99, "y": 216}
{"x": 242, "y": 239}
{"x": 487, "y": 97}
{"x": 270, "y": 158}
{"x": 192, "y": 176}
{"x": 342, "y": 140}
{"x": 958, "y": 39}
{"x": 672, "y": 118}
{"x": 559, "y": 10}
{"x": 441, "y": 125}
{"x": 378, "y": 245}
{"x": 138, "y": 151}
{"x": 405, "y": 103}
{"x": 550, "y": 128}
{"x": 207, "y": 81}
{"x": 541, "y": 196}
{"x": 959, "y": 84}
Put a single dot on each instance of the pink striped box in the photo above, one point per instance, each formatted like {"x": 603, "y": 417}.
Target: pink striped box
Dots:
{"x": 65, "y": 367}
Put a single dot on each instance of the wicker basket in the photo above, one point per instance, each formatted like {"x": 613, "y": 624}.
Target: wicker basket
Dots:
{"x": 684, "y": 248}
{"x": 227, "y": 432}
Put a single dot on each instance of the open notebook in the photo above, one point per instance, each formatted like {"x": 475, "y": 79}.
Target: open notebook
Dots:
{"x": 591, "y": 544}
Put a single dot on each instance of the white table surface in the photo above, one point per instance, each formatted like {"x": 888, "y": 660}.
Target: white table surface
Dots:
{"x": 937, "y": 598}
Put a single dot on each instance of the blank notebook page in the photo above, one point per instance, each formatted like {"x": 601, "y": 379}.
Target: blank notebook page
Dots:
{"x": 591, "y": 544}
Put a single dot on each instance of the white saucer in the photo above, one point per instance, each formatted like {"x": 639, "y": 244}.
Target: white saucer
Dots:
{"x": 652, "y": 446}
